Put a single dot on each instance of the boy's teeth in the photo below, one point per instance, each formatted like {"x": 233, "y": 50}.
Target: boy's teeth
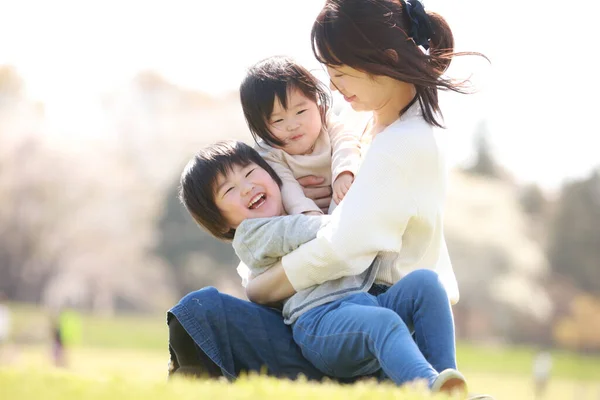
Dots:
{"x": 255, "y": 199}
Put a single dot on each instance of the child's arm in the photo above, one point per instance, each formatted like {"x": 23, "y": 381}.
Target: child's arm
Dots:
{"x": 345, "y": 157}
{"x": 294, "y": 200}
{"x": 261, "y": 242}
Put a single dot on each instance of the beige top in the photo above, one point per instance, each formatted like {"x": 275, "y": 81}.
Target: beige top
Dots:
{"x": 337, "y": 150}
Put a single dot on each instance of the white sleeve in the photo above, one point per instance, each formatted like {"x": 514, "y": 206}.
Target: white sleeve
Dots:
{"x": 372, "y": 217}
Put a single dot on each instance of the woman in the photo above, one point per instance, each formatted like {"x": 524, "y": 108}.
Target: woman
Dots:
{"x": 374, "y": 53}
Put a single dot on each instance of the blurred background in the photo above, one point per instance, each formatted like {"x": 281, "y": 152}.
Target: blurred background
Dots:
{"x": 103, "y": 103}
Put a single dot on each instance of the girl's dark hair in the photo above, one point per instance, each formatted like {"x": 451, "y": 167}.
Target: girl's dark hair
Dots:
{"x": 272, "y": 78}
{"x": 197, "y": 183}
{"x": 372, "y": 36}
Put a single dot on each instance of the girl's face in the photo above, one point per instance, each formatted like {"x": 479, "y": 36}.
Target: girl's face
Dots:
{"x": 247, "y": 192}
{"x": 364, "y": 92}
{"x": 298, "y": 126}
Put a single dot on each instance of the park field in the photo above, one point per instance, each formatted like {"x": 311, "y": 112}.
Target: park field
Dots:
{"x": 125, "y": 357}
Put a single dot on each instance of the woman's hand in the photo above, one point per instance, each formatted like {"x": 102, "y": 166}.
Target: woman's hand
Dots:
{"x": 321, "y": 195}
{"x": 272, "y": 286}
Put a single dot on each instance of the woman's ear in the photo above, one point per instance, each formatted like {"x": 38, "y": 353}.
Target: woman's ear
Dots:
{"x": 391, "y": 53}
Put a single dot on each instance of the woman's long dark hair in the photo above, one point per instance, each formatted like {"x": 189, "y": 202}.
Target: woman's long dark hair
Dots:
{"x": 372, "y": 36}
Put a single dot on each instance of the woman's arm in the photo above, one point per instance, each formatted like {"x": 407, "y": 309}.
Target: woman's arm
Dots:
{"x": 276, "y": 280}
{"x": 399, "y": 167}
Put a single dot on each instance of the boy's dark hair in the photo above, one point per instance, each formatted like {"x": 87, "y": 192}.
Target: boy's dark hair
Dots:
{"x": 373, "y": 36}
{"x": 272, "y": 78}
{"x": 197, "y": 183}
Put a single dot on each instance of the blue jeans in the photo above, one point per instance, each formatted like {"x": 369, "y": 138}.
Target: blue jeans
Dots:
{"x": 239, "y": 336}
{"x": 362, "y": 334}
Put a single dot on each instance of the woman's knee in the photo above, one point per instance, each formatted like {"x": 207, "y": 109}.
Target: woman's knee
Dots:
{"x": 204, "y": 307}
{"x": 204, "y": 295}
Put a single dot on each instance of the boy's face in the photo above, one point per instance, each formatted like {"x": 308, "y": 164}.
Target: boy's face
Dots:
{"x": 247, "y": 192}
{"x": 298, "y": 126}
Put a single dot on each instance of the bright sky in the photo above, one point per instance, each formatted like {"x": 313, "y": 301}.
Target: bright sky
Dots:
{"x": 537, "y": 95}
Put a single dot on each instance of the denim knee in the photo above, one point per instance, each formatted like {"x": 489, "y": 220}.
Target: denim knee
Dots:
{"x": 425, "y": 278}
{"x": 206, "y": 294}
{"x": 380, "y": 320}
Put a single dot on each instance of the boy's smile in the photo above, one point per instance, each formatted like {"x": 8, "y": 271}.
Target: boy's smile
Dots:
{"x": 247, "y": 192}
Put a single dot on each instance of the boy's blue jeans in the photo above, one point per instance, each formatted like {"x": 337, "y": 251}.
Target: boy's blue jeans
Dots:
{"x": 362, "y": 334}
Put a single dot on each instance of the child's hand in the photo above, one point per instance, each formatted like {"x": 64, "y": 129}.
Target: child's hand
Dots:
{"x": 342, "y": 185}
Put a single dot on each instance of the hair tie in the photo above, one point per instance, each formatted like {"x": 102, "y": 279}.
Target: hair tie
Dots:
{"x": 420, "y": 26}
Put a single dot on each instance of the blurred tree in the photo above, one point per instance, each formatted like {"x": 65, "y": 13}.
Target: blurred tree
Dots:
{"x": 539, "y": 209}
{"x": 574, "y": 243}
{"x": 69, "y": 232}
{"x": 498, "y": 266}
{"x": 485, "y": 164}
{"x": 533, "y": 201}
{"x": 579, "y": 330}
{"x": 26, "y": 170}
{"x": 180, "y": 239}
{"x": 28, "y": 246}
{"x": 157, "y": 124}
{"x": 78, "y": 215}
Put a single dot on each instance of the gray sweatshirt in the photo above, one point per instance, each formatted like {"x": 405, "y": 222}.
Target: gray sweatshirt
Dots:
{"x": 261, "y": 242}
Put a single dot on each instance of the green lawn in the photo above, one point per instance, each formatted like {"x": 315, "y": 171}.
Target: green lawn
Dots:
{"x": 61, "y": 386}
{"x": 111, "y": 374}
{"x": 126, "y": 357}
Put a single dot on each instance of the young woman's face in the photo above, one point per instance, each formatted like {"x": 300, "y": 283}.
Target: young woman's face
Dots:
{"x": 247, "y": 192}
{"x": 364, "y": 92}
{"x": 298, "y": 126}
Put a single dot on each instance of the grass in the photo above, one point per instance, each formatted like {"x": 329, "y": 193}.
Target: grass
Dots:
{"x": 117, "y": 373}
{"x": 60, "y": 386}
{"x": 126, "y": 357}
{"x": 111, "y": 374}
{"x": 129, "y": 331}
{"x": 518, "y": 360}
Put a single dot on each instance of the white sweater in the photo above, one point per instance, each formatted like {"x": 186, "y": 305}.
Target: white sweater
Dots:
{"x": 395, "y": 207}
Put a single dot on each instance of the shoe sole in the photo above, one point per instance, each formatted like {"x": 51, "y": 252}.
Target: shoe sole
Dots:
{"x": 454, "y": 385}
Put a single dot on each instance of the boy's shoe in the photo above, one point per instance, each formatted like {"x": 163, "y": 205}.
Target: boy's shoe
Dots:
{"x": 450, "y": 381}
